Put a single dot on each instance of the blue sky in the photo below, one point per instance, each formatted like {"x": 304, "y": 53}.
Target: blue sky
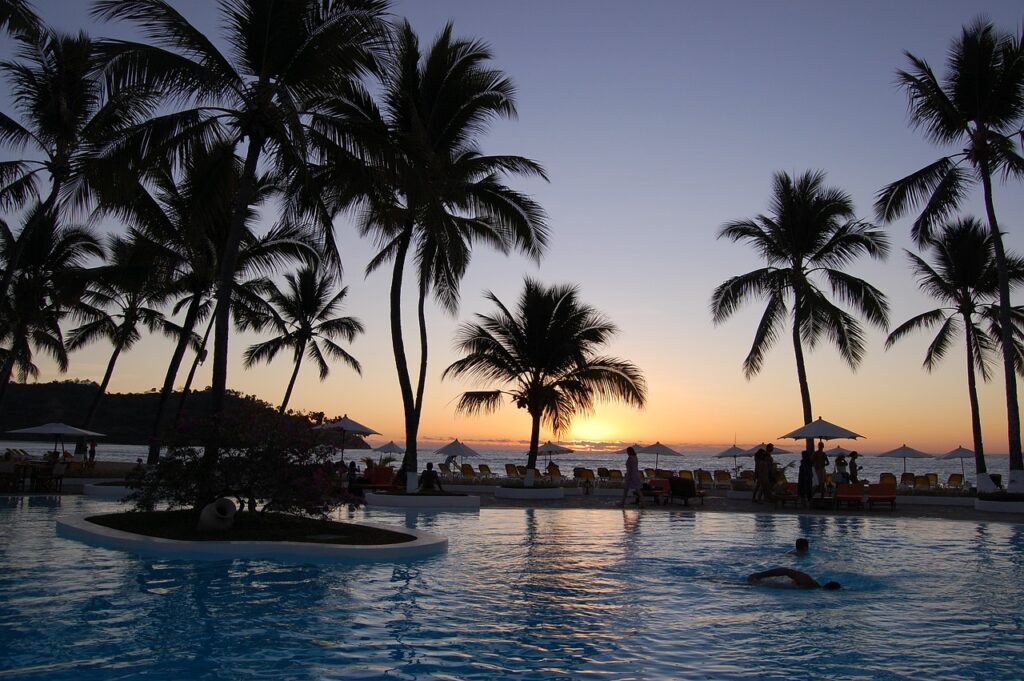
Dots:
{"x": 657, "y": 122}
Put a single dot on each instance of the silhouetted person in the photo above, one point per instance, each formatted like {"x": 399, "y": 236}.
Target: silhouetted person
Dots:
{"x": 429, "y": 479}
{"x": 800, "y": 579}
{"x": 805, "y": 479}
{"x": 854, "y": 468}
{"x": 820, "y": 462}
{"x": 801, "y": 548}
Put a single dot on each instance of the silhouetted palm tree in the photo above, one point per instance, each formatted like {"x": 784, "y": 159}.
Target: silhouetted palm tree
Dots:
{"x": 811, "y": 234}
{"x": 185, "y": 217}
{"x": 977, "y": 109}
{"x": 285, "y": 59}
{"x": 120, "y": 297}
{"x": 545, "y": 353}
{"x": 49, "y": 284}
{"x": 428, "y": 190}
{"x": 304, "y": 316}
{"x": 64, "y": 116}
{"x": 964, "y": 278}
{"x": 18, "y": 18}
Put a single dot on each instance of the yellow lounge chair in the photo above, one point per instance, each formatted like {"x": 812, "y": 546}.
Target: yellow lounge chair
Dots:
{"x": 921, "y": 483}
{"x": 511, "y": 471}
{"x": 485, "y": 470}
{"x": 446, "y": 471}
{"x": 887, "y": 479}
{"x": 722, "y": 479}
{"x": 467, "y": 472}
{"x": 686, "y": 475}
{"x": 933, "y": 479}
{"x": 704, "y": 479}
{"x": 956, "y": 481}
{"x": 615, "y": 475}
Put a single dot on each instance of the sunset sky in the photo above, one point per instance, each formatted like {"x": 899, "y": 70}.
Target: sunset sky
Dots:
{"x": 658, "y": 122}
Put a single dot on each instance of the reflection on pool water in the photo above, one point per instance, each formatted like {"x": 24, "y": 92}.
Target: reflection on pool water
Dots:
{"x": 541, "y": 594}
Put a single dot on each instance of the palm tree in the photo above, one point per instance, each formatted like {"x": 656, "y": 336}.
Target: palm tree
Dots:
{"x": 46, "y": 288}
{"x": 18, "y": 18}
{"x": 964, "y": 278}
{"x": 545, "y": 354}
{"x": 285, "y": 58}
{"x": 976, "y": 109}
{"x": 119, "y": 298}
{"x": 812, "y": 233}
{"x": 64, "y": 118}
{"x": 428, "y": 190}
{"x": 305, "y": 317}
{"x": 184, "y": 216}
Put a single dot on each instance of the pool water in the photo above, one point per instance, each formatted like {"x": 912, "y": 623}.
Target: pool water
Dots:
{"x": 534, "y": 594}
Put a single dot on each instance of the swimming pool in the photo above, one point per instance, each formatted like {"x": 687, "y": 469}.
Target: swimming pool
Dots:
{"x": 541, "y": 594}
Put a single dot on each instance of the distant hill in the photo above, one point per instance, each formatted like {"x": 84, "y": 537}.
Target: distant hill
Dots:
{"x": 125, "y": 418}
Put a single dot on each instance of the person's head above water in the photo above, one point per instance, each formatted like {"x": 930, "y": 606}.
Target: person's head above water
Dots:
{"x": 802, "y": 545}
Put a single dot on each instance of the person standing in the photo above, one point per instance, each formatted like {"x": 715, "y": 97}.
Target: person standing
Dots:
{"x": 804, "y": 480}
{"x": 92, "y": 455}
{"x": 759, "y": 491}
{"x": 820, "y": 462}
{"x": 854, "y": 468}
{"x": 632, "y": 481}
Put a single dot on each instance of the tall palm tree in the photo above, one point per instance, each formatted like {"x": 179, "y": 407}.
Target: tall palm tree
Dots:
{"x": 545, "y": 353}
{"x": 18, "y": 18}
{"x": 185, "y": 215}
{"x": 121, "y": 296}
{"x": 285, "y": 58}
{"x": 305, "y": 317}
{"x": 964, "y": 278}
{"x": 64, "y": 117}
{"x": 46, "y": 288}
{"x": 428, "y": 190}
{"x": 811, "y": 234}
{"x": 977, "y": 110}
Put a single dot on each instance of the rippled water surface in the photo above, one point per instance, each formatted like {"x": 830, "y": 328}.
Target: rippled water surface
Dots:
{"x": 534, "y": 594}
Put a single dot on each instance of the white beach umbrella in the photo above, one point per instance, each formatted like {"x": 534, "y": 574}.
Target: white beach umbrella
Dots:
{"x": 347, "y": 427}
{"x": 904, "y": 452}
{"x": 549, "y": 448}
{"x": 658, "y": 450}
{"x": 961, "y": 453}
{"x": 733, "y": 452}
{"x": 822, "y": 430}
{"x": 456, "y": 449}
{"x": 58, "y": 431}
{"x": 390, "y": 448}
{"x": 837, "y": 450}
{"x": 764, "y": 445}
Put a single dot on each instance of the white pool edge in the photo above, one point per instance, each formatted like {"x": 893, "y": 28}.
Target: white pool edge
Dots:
{"x": 79, "y": 528}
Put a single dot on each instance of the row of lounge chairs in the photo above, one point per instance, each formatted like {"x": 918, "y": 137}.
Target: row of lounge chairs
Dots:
{"x": 40, "y": 477}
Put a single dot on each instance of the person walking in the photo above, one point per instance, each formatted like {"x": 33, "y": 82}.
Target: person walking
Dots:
{"x": 632, "y": 481}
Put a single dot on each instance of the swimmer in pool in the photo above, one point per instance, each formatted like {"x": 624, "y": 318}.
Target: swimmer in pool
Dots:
{"x": 801, "y": 548}
{"x": 800, "y": 579}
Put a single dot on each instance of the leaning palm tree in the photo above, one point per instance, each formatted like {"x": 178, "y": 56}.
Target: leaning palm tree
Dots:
{"x": 46, "y": 288}
{"x": 428, "y": 190}
{"x": 811, "y": 234}
{"x": 122, "y": 295}
{"x": 977, "y": 110}
{"x": 63, "y": 116}
{"x": 545, "y": 354}
{"x": 964, "y": 278}
{"x": 285, "y": 58}
{"x": 305, "y": 317}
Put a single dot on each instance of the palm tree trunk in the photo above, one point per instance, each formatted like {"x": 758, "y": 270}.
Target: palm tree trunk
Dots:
{"x": 1005, "y": 324}
{"x": 531, "y": 459}
{"x": 199, "y": 358}
{"x": 421, "y": 383}
{"x": 972, "y": 391}
{"x": 801, "y": 373}
{"x": 295, "y": 374}
{"x": 172, "y": 373}
{"x": 103, "y": 385}
{"x": 5, "y": 373}
{"x": 222, "y": 313}
{"x": 409, "y": 463}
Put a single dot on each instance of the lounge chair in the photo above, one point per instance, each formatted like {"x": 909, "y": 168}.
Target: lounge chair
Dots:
{"x": 511, "y": 471}
{"x": 522, "y": 471}
{"x": 662, "y": 473}
{"x": 723, "y": 480}
{"x": 602, "y": 473}
{"x": 615, "y": 475}
{"x": 786, "y": 494}
{"x": 49, "y": 479}
{"x": 955, "y": 481}
{"x": 554, "y": 473}
{"x": 485, "y": 470}
{"x": 933, "y": 479}
{"x": 685, "y": 489}
{"x": 686, "y": 475}
{"x": 467, "y": 472}
{"x": 921, "y": 483}
{"x": 704, "y": 479}
{"x": 882, "y": 494}
{"x": 747, "y": 475}
{"x": 907, "y": 481}
{"x": 648, "y": 474}
{"x": 446, "y": 471}
{"x": 887, "y": 479}
{"x": 586, "y": 477}
{"x": 850, "y": 493}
